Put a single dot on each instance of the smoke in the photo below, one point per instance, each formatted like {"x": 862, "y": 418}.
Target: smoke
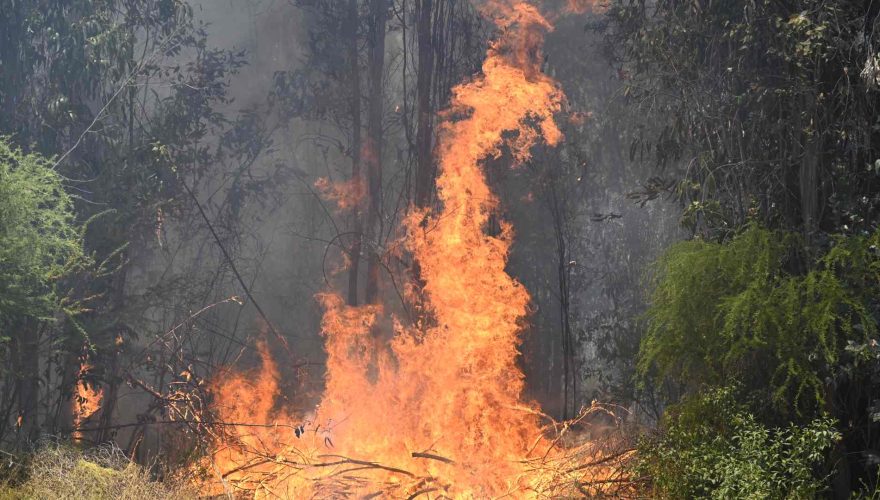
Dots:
{"x": 453, "y": 386}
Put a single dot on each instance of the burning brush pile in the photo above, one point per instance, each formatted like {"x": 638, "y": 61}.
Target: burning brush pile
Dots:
{"x": 434, "y": 408}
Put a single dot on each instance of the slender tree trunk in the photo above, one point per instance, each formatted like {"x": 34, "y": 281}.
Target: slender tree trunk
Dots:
{"x": 13, "y": 73}
{"x": 424, "y": 132}
{"x": 67, "y": 400}
{"x": 112, "y": 378}
{"x": 356, "y": 174}
{"x": 373, "y": 150}
{"x": 808, "y": 180}
{"x": 26, "y": 369}
{"x": 569, "y": 371}
{"x": 108, "y": 401}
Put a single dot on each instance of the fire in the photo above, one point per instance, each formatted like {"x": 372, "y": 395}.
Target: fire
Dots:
{"x": 580, "y": 6}
{"x": 246, "y": 402}
{"x": 86, "y": 401}
{"x": 434, "y": 407}
{"x": 453, "y": 389}
{"x": 345, "y": 194}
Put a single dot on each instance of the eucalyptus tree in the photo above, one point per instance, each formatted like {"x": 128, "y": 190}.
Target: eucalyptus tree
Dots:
{"x": 764, "y": 109}
{"x": 133, "y": 104}
{"x": 761, "y": 118}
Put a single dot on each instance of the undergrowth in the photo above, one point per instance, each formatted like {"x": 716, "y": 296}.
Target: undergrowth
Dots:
{"x": 62, "y": 472}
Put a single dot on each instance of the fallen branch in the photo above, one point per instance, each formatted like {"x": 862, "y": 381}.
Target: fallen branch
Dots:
{"x": 417, "y": 454}
{"x": 421, "y": 492}
{"x": 603, "y": 460}
{"x": 346, "y": 460}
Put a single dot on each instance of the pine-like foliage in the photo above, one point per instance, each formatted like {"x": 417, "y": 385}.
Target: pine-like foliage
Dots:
{"x": 38, "y": 237}
{"x": 734, "y": 311}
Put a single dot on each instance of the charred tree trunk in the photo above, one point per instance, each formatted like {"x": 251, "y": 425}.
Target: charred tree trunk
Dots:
{"x": 424, "y": 78}
{"x": 64, "y": 411}
{"x": 356, "y": 174}
{"x": 373, "y": 149}
{"x": 809, "y": 187}
{"x": 15, "y": 72}
{"x": 106, "y": 433}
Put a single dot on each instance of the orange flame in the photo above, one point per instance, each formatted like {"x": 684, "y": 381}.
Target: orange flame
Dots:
{"x": 345, "y": 194}
{"x": 453, "y": 389}
{"x": 87, "y": 400}
{"x": 582, "y": 6}
{"x": 246, "y": 402}
{"x": 439, "y": 403}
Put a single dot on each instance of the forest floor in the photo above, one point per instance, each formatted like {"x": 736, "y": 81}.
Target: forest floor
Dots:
{"x": 63, "y": 472}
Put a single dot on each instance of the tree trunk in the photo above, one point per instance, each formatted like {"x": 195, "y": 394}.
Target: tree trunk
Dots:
{"x": 13, "y": 73}
{"x": 373, "y": 149}
{"x": 108, "y": 402}
{"x": 424, "y": 132}
{"x": 63, "y": 421}
{"x": 356, "y": 174}
{"x": 26, "y": 370}
{"x": 808, "y": 174}
{"x": 569, "y": 371}
{"x": 113, "y": 378}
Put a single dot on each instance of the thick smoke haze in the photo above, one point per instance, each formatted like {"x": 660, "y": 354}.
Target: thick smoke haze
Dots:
{"x": 609, "y": 239}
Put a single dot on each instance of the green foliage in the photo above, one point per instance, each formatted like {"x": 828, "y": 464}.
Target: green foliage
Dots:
{"x": 739, "y": 95}
{"x": 734, "y": 310}
{"x": 868, "y": 492}
{"x": 38, "y": 237}
{"x": 713, "y": 447}
{"x": 765, "y": 113}
{"x": 59, "y": 57}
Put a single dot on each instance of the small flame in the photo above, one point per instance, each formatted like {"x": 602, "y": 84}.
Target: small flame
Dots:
{"x": 245, "y": 402}
{"x": 580, "y": 6}
{"x": 87, "y": 400}
{"x": 345, "y": 194}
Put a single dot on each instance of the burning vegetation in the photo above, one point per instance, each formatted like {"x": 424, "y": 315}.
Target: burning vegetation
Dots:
{"x": 87, "y": 400}
{"x": 435, "y": 407}
{"x": 439, "y": 249}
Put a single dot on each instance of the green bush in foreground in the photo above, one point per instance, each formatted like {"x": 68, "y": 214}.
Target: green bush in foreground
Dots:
{"x": 737, "y": 311}
{"x": 38, "y": 235}
{"x": 58, "y": 472}
{"x": 711, "y": 447}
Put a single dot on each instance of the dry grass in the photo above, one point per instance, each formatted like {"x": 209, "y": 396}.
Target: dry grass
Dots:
{"x": 61, "y": 472}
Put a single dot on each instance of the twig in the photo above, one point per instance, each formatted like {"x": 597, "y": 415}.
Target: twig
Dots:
{"x": 421, "y": 492}
{"x": 122, "y": 87}
{"x": 346, "y": 460}
{"x": 417, "y": 454}
{"x": 182, "y": 422}
{"x": 229, "y": 260}
{"x": 603, "y": 460}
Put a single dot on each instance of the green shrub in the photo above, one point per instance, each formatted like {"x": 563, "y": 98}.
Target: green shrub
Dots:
{"x": 712, "y": 447}
{"x": 38, "y": 237}
{"x": 734, "y": 310}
